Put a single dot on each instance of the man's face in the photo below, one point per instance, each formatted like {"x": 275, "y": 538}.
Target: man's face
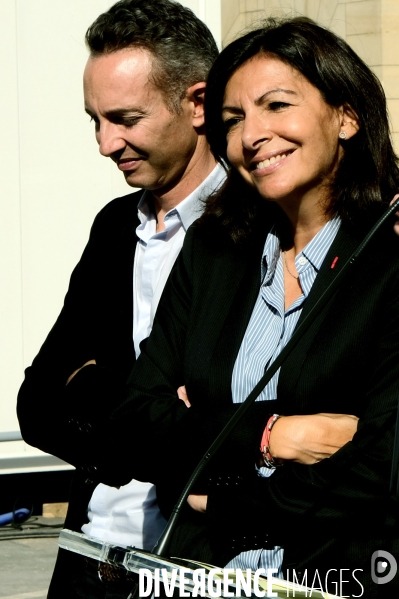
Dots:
{"x": 151, "y": 145}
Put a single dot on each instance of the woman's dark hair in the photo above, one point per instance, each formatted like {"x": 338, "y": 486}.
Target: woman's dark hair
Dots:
{"x": 182, "y": 46}
{"x": 368, "y": 174}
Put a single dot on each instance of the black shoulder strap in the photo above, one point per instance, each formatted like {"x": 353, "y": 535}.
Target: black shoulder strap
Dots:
{"x": 394, "y": 486}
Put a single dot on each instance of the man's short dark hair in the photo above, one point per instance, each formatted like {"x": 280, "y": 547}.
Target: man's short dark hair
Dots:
{"x": 182, "y": 46}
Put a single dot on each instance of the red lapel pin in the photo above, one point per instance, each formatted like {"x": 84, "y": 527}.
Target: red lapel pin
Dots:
{"x": 334, "y": 262}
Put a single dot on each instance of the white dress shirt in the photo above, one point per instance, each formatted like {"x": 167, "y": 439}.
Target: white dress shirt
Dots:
{"x": 129, "y": 516}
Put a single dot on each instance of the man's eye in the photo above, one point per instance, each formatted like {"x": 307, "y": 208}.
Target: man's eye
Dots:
{"x": 129, "y": 122}
{"x": 96, "y": 122}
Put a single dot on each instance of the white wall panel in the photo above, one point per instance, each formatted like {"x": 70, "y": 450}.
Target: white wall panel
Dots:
{"x": 210, "y": 12}
{"x": 64, "y": 180}
{"x": 53, "y": 179}
{"x": 11, "y": 358}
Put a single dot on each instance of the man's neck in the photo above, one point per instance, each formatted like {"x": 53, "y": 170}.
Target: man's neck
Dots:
{"x": 200, "y": 166}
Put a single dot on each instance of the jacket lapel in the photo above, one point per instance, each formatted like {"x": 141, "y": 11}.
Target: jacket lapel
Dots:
{"x": 341, "y": 249}
{"x": 119, "y": 289}
{"x": 228, "y": 333}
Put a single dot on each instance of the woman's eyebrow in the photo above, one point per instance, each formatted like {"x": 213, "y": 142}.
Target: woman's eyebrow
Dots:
{"x": 259, "y": 101}
{"x": 232, "y": 109}
{"x": 263, "y": 97}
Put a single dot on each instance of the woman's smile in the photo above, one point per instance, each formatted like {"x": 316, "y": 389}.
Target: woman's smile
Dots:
{"x": 263, "y": 166}
{"x": 281, "y": 134}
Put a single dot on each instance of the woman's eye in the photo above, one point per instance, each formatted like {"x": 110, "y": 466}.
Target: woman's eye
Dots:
{"x": 277, "y": 105}
{"x": 229, "y": 123}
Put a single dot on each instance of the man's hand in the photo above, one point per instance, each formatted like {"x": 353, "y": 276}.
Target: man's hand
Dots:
{"x": 310, "y": 439}
{"x": 198, "y": 502}
{"x": 77, "y": 370}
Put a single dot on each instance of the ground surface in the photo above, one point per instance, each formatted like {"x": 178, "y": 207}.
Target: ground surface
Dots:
{"x": 26, "y": 564}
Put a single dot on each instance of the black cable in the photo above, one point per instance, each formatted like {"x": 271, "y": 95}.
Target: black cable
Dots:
{"x": 31, "y": 528}
{"x": 17, "y": 523}
{"x": 32, "y": 535}
{"x": 41, "y": 524}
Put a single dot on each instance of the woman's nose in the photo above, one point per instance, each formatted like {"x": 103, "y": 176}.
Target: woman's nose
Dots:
{"x": 255, "y": 131}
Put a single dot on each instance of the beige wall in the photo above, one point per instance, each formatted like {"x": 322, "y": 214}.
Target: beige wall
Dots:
{"x": 371, "y": 27}
{"x": 53, "y": 181}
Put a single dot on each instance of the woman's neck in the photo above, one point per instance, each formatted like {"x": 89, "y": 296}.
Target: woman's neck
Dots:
{"x": 302, "y": 223}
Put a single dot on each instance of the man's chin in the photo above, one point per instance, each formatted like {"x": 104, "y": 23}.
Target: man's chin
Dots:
{"x": 134, "y": 181}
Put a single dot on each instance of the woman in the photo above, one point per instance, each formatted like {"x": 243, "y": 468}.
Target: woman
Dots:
{"x": 302, "y": 121}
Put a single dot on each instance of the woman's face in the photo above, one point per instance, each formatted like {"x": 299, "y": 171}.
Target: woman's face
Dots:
{"x": 281, "y": 135}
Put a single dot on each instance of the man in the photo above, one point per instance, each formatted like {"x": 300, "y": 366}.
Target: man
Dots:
{"x": 144, "y": 87}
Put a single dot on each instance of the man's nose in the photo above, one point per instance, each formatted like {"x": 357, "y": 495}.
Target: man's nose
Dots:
{"x": 110, "y": 139}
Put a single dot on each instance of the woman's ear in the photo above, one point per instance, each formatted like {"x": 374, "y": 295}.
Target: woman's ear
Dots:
{"x": 195, "y": 95}
{"x": 349, "y": 122}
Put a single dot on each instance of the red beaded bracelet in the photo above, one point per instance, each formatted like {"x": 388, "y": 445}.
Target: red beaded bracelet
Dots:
{"x": 269, "y": 460}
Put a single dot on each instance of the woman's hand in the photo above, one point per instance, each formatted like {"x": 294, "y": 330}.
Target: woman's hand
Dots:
{"x": 182, "y": 394}
{"x": 198, "y": 502}
{"x": 312, "y": 438}
{"x": 304, "y": 439}
{"x": 75, "y": 372}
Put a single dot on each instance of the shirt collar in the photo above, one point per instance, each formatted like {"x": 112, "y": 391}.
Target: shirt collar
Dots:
{"x": 189, "y": 209}
{"x": 315, "y": 251}
{"x": 312, "y": 254}
{"x": 271, "y": 254}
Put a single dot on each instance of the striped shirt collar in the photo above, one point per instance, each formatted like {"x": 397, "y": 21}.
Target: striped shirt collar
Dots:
{"x": 312, "y": 254}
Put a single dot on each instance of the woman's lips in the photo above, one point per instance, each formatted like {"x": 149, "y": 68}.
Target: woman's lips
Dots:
{"x": 263, "y": 167}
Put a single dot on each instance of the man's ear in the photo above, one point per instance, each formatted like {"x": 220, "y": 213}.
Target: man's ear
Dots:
{"x": 195, "y": 95}
{"x": 349, "y": 121}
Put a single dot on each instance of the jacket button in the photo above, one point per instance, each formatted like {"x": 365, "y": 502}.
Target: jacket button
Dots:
{"x": 84, "y": 427}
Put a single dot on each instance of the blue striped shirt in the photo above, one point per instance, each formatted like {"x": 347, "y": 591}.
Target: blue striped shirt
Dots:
{"x": 268, "y": 331}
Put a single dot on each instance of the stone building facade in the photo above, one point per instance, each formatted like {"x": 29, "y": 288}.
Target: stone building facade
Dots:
{"x": 371, "y": 27}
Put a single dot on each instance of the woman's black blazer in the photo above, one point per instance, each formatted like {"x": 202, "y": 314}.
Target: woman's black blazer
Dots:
{"x": 333, "y": 514}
